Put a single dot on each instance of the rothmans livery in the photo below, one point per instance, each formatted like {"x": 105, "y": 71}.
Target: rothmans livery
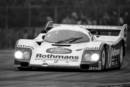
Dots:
{"x": 85, "y": 47}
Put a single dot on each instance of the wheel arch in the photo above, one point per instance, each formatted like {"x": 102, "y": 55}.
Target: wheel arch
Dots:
{"x": 106, "y": 46}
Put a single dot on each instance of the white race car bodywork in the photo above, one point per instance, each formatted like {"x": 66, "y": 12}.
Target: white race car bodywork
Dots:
{"x": 46, "y": 54}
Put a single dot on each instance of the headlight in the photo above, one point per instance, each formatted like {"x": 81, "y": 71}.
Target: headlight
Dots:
{"x": 23, "y": 53}
{"x": 95, "y": 57}
{"x": 18, "y": 55}
{"x": 91, "y": 57}
{"x": 26, "y": 55}
{"x": 87, "y": 57}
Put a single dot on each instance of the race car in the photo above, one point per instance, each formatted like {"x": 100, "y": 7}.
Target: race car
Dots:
{"x": 84, "y": 47}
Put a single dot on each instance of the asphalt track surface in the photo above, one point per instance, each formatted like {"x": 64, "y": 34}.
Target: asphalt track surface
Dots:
{"x": 10, "y": 77}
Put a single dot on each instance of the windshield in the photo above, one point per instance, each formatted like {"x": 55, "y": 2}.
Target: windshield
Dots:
{"x": 66, "y": 36}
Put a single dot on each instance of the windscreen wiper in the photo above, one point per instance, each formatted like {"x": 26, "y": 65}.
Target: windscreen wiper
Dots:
{"x": 70, "y": 40}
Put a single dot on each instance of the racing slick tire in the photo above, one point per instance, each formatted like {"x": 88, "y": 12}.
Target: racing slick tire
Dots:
{"x": 121, "y": 58}
{"x": 103, "y": 59}
{"x": 22, "y": 68}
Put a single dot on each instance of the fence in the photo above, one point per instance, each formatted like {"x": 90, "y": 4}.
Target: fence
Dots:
{"x": 22, "y": 21}
{"x": 37, "y": 15}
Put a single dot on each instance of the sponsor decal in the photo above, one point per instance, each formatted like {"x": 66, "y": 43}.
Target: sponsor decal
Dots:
{"x": 55, "y": 57}
{"x": 93, "y": 46}
{"x": 59, "y": 50}
{"x": 24, "y": 46}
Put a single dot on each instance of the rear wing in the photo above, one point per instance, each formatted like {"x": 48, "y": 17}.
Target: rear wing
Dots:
{"x": 95, "y": 29}
{"x": 106, "y": 30}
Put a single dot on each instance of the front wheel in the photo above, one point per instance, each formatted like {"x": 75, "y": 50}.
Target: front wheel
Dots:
{"x": 23, "y": 67}
{"x": 103, "y": 59}
{"x": 20, "y": 68}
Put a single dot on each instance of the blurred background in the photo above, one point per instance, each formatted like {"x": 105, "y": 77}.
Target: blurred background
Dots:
{"x": 26, "y": 18}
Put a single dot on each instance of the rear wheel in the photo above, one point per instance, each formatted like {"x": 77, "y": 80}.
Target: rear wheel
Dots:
{"x": 121, "y": 58}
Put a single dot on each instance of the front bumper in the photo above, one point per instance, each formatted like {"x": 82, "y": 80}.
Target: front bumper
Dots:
{"x": 82, "y": 66}
{"x": 90, "y": 66}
